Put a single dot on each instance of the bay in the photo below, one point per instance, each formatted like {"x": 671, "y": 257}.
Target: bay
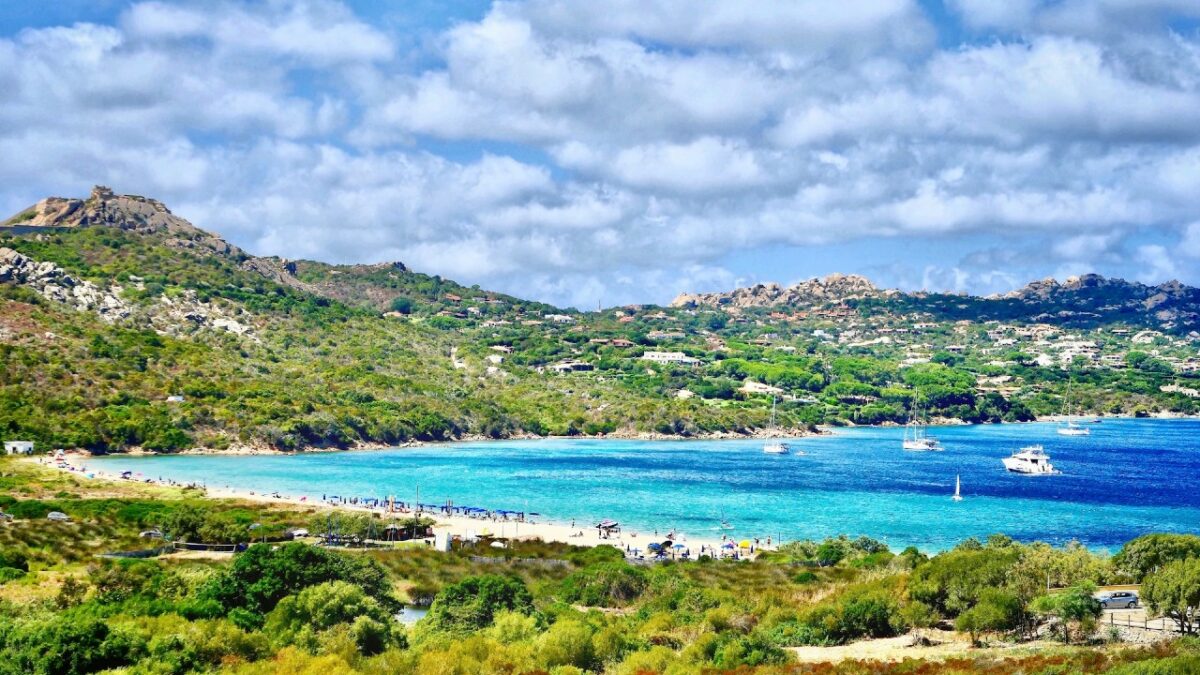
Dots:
{"x": 1129, "y": 477}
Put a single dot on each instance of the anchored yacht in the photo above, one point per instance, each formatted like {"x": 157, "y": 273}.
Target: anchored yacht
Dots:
{"x": 918, "y": 439}
{"x": 776, "y": 447}
{"x": 1031, "y": 460}
{"x": 1072, "y": 428}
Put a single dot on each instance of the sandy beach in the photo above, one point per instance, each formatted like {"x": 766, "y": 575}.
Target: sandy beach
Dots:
{"x": 579, "y": 533}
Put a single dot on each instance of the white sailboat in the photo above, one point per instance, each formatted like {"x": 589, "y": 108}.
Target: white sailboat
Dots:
{"x": 1072, "y": 428}
{"x": 775, "y": 447}
{"x": 917, "y": 438}
{"x": 957, "y": 489}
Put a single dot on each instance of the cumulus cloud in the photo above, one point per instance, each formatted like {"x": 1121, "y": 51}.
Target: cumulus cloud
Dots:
{"x": 625, "y": 151}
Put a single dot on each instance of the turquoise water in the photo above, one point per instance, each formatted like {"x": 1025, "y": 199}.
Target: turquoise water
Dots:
{"x": 1128, "y": 478}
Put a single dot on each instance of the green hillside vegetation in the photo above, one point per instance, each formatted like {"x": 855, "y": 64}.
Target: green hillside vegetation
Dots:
{"x": 295, "y": 607}
{"x": 337, "y": 356}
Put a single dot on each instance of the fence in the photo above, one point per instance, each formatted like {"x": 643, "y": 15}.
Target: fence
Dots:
{"x": 535, "y": 561}
{"x": 1129, "y": 620}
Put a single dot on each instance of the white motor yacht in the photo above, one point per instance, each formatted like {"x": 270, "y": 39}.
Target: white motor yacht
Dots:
{"x": 1031, "y": 460}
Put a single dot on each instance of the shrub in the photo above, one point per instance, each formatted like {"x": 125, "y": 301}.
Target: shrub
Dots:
{"x": 262, "y": 576}
{"x": 605, "y": 585}
{"x": 14, "y": 559}
{"x": 321, "y": 607}
{"x": 473, "y": 603}
{"x": 66, "y": 645}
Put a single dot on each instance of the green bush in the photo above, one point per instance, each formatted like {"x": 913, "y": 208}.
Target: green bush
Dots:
{"x": 263, "y": 575}
{"x": 472, "y": 603}
{"x": 613, "y": 584}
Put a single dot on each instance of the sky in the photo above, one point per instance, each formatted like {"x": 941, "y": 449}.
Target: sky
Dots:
{"x": 623, "y": 151}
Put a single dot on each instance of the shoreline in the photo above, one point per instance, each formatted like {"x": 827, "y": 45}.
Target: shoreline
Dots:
{"x": 362, "y": 446}
{"x": 240, "y": 449}
{"x": 545, "y": 528}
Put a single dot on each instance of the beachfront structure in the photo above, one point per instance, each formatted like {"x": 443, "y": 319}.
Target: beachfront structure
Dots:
{"x": 18, "y": 447}
{"x": 670, "y": 357}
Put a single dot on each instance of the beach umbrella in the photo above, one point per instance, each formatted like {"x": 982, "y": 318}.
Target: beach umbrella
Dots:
{"x": 745, "y": 543}
{"x": 728, "y": 544}
{"x": 653, "y": 546}
{"x": 678, "y": 547}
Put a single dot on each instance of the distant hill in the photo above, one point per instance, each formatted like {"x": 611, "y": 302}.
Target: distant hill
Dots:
{"x": 122, "y": 325}
{"x": 1088, "y": 300}
{"x": 380, "y": 286}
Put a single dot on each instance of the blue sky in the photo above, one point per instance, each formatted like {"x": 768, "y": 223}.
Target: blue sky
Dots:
{"x": 620, "y": 151}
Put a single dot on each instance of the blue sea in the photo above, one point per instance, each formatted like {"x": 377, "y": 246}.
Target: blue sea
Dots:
{"x": 1127, "y": 478}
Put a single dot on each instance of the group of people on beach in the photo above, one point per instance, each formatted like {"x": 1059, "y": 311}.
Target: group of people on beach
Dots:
{"x": 385, "y": 505}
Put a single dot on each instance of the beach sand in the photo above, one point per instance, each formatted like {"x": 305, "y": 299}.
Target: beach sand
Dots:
{"x": 456, "y": 525}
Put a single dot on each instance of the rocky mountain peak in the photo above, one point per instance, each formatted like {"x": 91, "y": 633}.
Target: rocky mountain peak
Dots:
{"x": 832, "y": 288}
{"x": 132, "y": 213}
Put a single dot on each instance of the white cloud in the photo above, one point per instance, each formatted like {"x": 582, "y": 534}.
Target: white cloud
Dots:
{"x": 1189, "y": 245}
{"x": 625, "y": 149}
{"x": 1158, "y": 264}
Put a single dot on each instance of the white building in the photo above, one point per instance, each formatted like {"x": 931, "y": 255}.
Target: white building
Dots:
{"x": 18, "y": 447}
{"x": 670, "y": 357}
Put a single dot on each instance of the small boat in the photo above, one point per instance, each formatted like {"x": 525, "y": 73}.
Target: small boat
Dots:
{"x": 957, "y": 489}
{"x": 1072, "y": 427}
{"x": 1031, "y": 461}
{"x": 776, "y": 447}
{"x": 916, "y": 438}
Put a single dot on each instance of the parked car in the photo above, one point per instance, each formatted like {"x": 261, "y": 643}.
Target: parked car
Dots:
{"x": 151, "y": 534}
{"x": 1118, "y": 599}
{"x": 58, "y": 517}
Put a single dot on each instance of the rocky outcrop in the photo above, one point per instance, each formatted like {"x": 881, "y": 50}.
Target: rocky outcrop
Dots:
{"x": 170, "y": 315}
{"x": 133, "y": 213}
{"x": 833, "y": 288}
{"x": 53, "y": 283}
{"x": 1169, "y": 304}
{"x": 183, "y": 313}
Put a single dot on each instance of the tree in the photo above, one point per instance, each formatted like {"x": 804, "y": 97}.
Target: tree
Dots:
{"x": 996, "y": 610}
{"x": 321, "y": 607}
{"x": 262, "y": 576}
{"x": 1147, "y": 553}
{"x": 472, "y": 603}
{"x": 1174, "y": 592}
{"x": 1074, "y": 607}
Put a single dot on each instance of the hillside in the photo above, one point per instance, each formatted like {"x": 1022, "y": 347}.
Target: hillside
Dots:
{"x": 111, "y": 304}
{"x": 1087, "y": 300}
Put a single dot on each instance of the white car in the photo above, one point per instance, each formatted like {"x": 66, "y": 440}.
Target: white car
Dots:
{"x": 58, "y": 517}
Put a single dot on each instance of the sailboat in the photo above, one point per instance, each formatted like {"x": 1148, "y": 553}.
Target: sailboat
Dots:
{"x": 1072, "y": 427}
{"x": 957, "y": 489}
{"x": 916, "y": 438}
{"x": 775, "y": 447}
